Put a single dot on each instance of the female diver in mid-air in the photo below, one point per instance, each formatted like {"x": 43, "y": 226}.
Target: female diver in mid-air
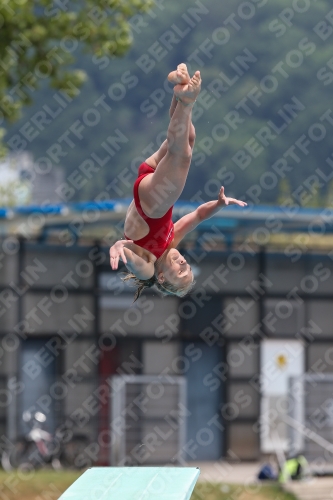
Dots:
{"x": 149, "y": 250}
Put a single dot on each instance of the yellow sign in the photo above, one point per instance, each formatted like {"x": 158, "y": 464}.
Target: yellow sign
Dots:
{"x": 281, "y": 361}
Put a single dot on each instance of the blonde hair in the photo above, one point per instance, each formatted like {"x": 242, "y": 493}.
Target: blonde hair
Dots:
{"x": 165, "y": 288}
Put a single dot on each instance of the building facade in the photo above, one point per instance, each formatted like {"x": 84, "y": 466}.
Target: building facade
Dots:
{"x": 259, "y": 314}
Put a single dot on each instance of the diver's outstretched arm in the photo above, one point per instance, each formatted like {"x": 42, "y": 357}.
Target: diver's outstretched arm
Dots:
{"x": 190, "y": 221}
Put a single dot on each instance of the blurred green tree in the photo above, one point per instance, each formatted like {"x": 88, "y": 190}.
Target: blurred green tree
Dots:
{"x": 284, "y": 191}
{"x": 38, "y": 39}
{"x": 239, "y": 47}
{"x": 329, "y": 196}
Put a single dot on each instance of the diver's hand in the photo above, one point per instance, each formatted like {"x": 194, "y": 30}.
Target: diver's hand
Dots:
{"x": 224, "y": 201}
{"x": 117, "y": 252}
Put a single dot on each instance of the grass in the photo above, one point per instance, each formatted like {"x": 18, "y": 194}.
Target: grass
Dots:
{"x": 40, "y": 485}
{"x": 208, "y": 491}
{"x": 49, "y": 484}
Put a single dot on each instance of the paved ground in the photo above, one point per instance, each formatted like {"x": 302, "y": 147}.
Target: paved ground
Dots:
{"x": 312, "y": 489}
{"x": 217, "y": 472}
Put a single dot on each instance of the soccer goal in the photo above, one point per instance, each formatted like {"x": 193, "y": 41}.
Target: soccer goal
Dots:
{"x": 148, "y": 419}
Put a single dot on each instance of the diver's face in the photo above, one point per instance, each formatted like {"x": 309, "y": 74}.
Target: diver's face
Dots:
{"x": 176, "y": 270}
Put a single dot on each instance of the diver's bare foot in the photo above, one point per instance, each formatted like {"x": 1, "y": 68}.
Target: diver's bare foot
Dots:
{"x": 180, "y": 76}
{"x": 188, "y": 93}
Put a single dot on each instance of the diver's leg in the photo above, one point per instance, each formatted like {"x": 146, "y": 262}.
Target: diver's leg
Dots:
{"x": 159, "y": 191}
{"x": 179, "y": 76}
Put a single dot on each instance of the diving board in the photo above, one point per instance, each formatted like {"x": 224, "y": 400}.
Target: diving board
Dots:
{"x": 134, "y": 483}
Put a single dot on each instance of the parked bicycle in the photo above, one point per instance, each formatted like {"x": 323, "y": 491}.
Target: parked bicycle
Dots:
{"x": 39, "y": 448}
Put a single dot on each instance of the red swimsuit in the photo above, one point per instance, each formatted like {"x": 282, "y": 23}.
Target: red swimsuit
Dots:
{"x": 161, "y": 230}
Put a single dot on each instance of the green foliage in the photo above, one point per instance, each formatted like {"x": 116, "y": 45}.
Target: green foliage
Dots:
{"x": 284, "y": 190}
{"x": 14, "y": 193}
{"x": 329, "y": 198}
{"x": 38, "y": 39}
{"x": 267, "y": 82}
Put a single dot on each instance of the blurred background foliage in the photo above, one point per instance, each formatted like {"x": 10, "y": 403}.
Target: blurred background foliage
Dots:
{"x": 288, "y": 40}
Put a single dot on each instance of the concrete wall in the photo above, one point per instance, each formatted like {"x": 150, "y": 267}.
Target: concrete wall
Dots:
{"x": 81, "y": 309}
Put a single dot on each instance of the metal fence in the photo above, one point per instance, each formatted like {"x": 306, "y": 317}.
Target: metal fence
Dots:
{"x": 310, "y": 417}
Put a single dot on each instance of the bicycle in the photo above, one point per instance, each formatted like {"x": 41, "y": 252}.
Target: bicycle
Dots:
{"x": 39, "y": 448}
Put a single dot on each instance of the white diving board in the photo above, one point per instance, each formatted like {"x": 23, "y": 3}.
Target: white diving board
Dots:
{"x": 134, "y": 483}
